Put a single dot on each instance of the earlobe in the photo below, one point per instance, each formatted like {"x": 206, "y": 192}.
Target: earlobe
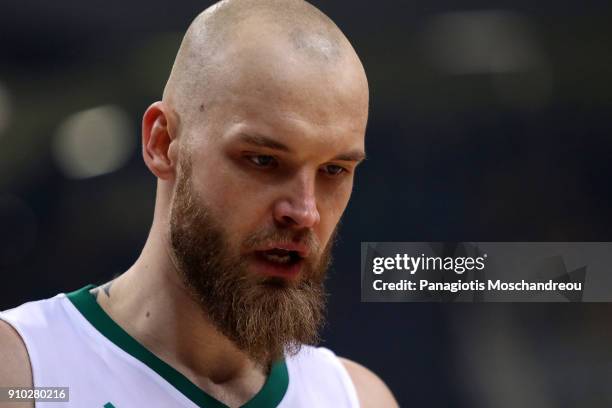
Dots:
{"x": 156, "y": 140}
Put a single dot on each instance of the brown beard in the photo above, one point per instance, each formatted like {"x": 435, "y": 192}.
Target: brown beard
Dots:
{"x": 265, "y": 317}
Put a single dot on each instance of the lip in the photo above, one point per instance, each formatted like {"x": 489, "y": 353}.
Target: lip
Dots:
{"x": 301, "y": 249}
{"x": 265, "y": 267}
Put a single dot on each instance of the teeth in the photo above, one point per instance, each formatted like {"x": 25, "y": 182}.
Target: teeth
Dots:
{"x": 277, "y": 258}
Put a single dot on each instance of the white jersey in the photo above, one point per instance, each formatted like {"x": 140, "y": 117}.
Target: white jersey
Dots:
{"x": 73, "y": 343}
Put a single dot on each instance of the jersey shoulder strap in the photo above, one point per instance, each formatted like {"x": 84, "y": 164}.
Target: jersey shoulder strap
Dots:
{"x": 318, "y": 377}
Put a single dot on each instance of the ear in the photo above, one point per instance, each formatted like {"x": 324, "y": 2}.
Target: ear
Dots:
{"x": 157, "y": 139}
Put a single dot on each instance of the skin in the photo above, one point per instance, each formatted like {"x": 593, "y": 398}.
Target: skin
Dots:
{"x": 15, "y": 368}
{"x": 277, "y": 143}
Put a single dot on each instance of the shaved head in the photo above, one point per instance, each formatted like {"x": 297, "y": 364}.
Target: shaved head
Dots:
{"x": 255, "y": 40}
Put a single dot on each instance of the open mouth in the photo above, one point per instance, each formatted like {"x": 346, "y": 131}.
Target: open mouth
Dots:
{"x": 280, "y": 256}
{"x": 279, "y": 262}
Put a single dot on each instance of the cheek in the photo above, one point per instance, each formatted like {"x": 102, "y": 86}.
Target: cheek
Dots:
{"x": 331, "y": 204}
{"x": 334, "y": 198}
{"x": 239, "y": 204}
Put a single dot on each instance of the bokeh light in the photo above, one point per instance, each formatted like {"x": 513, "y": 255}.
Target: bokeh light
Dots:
{"x": 94, "y": 142}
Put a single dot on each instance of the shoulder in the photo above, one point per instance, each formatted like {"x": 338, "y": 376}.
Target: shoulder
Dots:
{"x": 371, "y": 390}
{"x": 14, "y": 360}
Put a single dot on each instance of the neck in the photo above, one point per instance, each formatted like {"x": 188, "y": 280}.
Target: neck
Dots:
{"x": 151, "y": 303}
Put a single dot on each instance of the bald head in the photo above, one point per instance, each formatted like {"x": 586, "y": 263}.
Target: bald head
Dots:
{"x": 251, "y": 43}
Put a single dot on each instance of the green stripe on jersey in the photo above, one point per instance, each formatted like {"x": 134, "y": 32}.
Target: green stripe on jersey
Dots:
{"x": 270, "y": 395}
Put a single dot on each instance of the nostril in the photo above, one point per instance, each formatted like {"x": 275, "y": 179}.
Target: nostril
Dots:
{"x": 291, "y": 214}
{"x": 288, "y": 220}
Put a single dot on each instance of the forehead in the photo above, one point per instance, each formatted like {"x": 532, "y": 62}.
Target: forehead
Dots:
{"x": 260, "y": 125}
{"x": 284, "y": 93}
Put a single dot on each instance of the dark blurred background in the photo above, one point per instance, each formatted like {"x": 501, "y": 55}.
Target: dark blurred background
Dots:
{"x": 490, "y": 121}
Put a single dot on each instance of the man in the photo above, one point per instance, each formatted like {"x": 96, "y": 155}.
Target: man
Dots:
{"x": 254, "y": 146}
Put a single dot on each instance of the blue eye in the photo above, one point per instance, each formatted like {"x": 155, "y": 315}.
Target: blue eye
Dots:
{"x": 334, "y": 170}
{"x": 262, "y": 160}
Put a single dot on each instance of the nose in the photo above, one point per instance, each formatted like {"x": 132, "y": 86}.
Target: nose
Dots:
{"x": 297, "y": 208}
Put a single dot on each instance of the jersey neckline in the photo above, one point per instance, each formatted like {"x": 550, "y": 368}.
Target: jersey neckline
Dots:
{"x": 270, "y": 394}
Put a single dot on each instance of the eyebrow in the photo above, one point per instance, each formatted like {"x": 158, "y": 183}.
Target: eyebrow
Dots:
{"x": 263, "y": 141}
